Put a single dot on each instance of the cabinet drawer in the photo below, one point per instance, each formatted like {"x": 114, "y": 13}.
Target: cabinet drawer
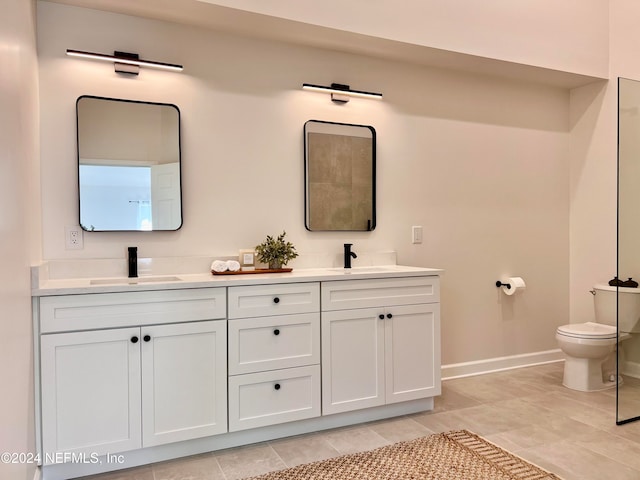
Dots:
{"x": 270, "y": 343}
{"x": 341, "y": 295}
{"x": 268, "y": 398}
{"x": 108, "y": 310}
{"x": 265, "y": 300}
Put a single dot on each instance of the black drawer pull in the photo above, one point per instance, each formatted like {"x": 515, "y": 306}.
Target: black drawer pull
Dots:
{"x": 389, "y": 315}
{"x": 276, "y": 331}
{"x": 381, "y": 316}
{"x": 277, "y": 386}
{"x": 276, "y": 300}
{"x": 146, "y": 338}
{"x": 134, "y": 339}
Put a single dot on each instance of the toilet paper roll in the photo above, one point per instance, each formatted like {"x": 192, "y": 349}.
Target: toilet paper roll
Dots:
{"x": 516, "y": 284}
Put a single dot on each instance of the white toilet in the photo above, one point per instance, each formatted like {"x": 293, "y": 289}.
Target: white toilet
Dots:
{"x": 590, "y": 347}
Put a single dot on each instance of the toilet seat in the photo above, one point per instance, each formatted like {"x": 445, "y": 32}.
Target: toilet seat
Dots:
{"x": 588, "y": 331}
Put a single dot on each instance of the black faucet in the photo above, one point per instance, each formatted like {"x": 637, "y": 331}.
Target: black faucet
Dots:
{"x": 133, "y": 261}
{"x": 348, "y": 254}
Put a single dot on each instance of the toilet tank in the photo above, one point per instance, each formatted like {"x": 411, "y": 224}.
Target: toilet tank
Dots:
{"x": 628, "y": 307}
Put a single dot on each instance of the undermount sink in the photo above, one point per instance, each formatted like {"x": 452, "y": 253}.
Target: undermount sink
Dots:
{"x": 133, "y": 281}
{"x": 361, "y": 269}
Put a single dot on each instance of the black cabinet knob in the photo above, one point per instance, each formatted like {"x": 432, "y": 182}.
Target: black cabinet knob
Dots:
{"x": 146, "y": 338}
{"x": 381, "y": 316}
{"x": 276, "y": 331}
{"x": 134, "y": 339}
{"x": 277, "y": 386}
{"x": 389, "y": 315}
{"x": 276, "y": 300}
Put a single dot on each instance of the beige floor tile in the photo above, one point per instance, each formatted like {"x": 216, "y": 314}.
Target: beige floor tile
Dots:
{"x": 453, "y": 400}
{"x": 483, "y": 388}
{"x": 399, "y": 430}
{"x": 563, "y": 404}
{"x": 201, "y": 467}
{"x": 552, "y": 431}
{"x": 630, "y": 431}
{"x": 578, "y": 463}
{"x": 614, "y": 447}
{"x": 303, "y": 449}
{"x": 601, "y": 399}
{"x": 139, "y": 473}
{"x": 441, "y": 421}
{"x": 629, "y": 399}
{"x": 483, "y": 420}
{"x": 249, "y": 461}
{"x": 531, "y": 412}
{"x": 354, "y": 439}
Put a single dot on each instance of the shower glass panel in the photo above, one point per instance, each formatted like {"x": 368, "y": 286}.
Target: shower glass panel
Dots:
{"x": 628, "y": 361}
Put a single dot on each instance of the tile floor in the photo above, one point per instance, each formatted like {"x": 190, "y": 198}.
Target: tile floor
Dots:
{"x": 526, "y": 411}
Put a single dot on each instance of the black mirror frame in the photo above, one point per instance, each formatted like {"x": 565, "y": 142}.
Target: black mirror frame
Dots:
{"x": 372, "y": 223}
{"x": 179, "y": 157}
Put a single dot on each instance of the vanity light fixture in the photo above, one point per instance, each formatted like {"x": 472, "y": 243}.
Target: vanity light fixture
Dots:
{"x": 124, "y": 62}
{"x": 340, "y": 93}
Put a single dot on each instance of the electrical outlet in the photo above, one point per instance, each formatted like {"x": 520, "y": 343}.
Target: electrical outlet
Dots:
{"x": 73, "y": 238}
{"x": 416, "y": 234}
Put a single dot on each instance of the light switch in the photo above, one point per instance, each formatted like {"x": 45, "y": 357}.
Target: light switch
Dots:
{"x": 416, "y": 234}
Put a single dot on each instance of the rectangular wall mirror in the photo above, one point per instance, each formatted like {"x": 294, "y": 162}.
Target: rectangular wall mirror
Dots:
{"x": 128, "y": 165}
{"x": 340, "y": 173}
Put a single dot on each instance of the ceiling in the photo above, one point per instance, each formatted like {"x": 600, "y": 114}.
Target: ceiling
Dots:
{"x": 216, "y": 17}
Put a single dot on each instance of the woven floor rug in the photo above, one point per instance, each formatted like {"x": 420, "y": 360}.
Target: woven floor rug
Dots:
{"x": 459, "y": 455}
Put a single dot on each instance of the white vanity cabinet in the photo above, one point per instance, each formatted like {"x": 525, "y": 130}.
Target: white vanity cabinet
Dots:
{"x": 153, "y": 372}
{"x": 274, "y": 354}
{"x": 107, "y": 390}
{"x": 380, "y": 342}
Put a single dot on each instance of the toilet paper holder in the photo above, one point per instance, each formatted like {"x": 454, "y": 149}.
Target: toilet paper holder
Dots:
{"x": 500, "y": 284}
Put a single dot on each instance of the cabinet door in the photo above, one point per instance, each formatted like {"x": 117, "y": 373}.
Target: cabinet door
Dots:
{"x": 184, "y": 381}
{"x": 412, "y": 352}
{"x": 90, "y": 392}
{"x": 352, "y": 360}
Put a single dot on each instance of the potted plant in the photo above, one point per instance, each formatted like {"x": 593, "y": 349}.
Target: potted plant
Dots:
{"x": 276, "y": 252}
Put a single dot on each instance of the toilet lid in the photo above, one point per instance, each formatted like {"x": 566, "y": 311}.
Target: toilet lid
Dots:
{"x": 588, "y": 330}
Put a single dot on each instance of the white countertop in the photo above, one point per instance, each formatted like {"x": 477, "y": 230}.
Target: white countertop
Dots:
{"x": 48, "y": 287}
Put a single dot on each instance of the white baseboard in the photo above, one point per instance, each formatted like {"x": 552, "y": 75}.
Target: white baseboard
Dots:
{"x": 631, "y": 369}
{"x": 489, "y": 365}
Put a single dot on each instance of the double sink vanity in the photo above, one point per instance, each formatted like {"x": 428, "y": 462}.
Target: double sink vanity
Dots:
{"x": 134, "y": 371}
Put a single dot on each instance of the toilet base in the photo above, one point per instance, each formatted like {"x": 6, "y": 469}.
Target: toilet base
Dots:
{"x": 605, "y": 386}
{"x": 586, "y": 375}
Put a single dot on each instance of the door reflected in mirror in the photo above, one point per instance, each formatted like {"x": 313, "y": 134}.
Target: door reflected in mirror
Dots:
{"x": 339, "y": 176}
{"x": 128, "y": 165}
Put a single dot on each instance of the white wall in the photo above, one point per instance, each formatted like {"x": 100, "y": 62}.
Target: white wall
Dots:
{"x": 594, "y": 169}
{"x": 19, "y": 228}
{"x": 593, "y": 194}
{"x": 624, "y": 63}
{"x": 482, "y": 163}
{"x": 571, "y": 35}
